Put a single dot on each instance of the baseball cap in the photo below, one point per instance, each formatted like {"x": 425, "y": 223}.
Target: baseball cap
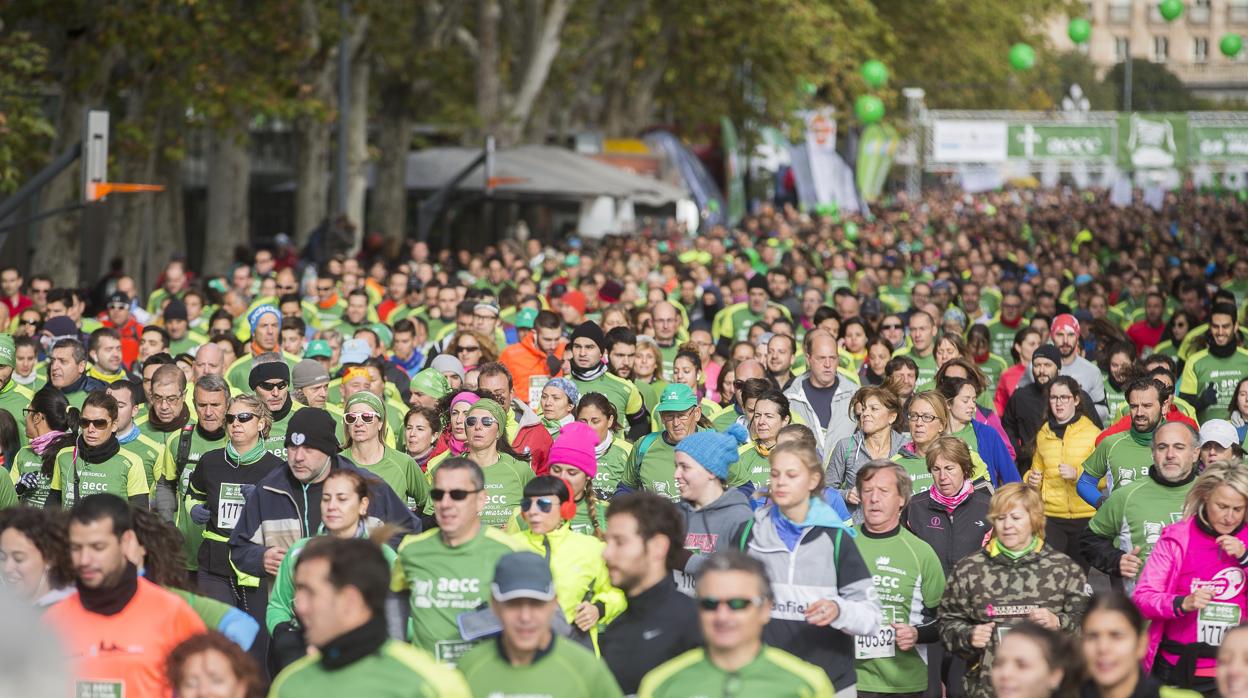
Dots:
{"x": 522, "y": 575}
{"x": 318, "y": 349}
{"x": 309, "y": 372}
{"x": 525, "y": 318}
{"x": 487, "y": 305}
{"x": 118, "y": 297}
{"x": 7, "y": 352}
{"x": 1219, "y": 431}
{"x": 677, "y": 397}
{"x": 354, "y": 351}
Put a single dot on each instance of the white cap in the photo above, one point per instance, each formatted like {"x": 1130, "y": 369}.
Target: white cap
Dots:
{"x": 1219, "y": 431}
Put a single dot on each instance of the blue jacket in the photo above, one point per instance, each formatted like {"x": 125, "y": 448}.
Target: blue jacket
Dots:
{"x": 1001, "y": 466}
{"x": 282, "y": 510}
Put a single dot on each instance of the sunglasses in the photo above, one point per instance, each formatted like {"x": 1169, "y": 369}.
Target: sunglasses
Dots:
{"x": 545, "y": 504}
{"x": 463, "y": 349}
{"x": 365, "y": 417}
{"x": 890, "y": 326}
{"x": 710, "y": 603}
{"x": 288, "y": 287}
{"x": 485, "y": 421}
{"x": 29, "y": 323}
{"x": 118, "y": 306}
{"x": 456, "y": 495}
{"x": 241, "y": 417}
{"x": 97, "y": 423}
{"x": 272, "y": 386}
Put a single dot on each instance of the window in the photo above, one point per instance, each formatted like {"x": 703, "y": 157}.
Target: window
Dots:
{"x": 1200, "y": 49}
{"x": 1199, "y": 12}
{"x": 1122, "y": 49}
{"x": 1237, "y": 12}
{"x": 1161, "y": 49}
{"x": 1120, "y": 11}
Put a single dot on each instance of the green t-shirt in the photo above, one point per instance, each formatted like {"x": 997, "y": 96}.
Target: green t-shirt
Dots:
{"x": 774, "y": 673}
{"x": 1121, "y": 458}
{"x": 754, "y": 466}
{"x": 504, "y": 486}
{"x": 445, "y": 582}
{"x": 167, "y": 469}
{"x": 1135, "y": 514}
{"x": 566, "y": 670}
{"x": 275, "y": 442}
{"x": 669, "y": 357}
{"x": 736, "y": 322}
{"x": 148, "y": 450}
{"x": 649, "y": 392}
{"x": 1114, "y": 398}
{"x": 653, "y": 467}
{"x": 121, "y": 475}
{"x": 1001, "y": 337}
{"x": 402, "y": 474}
{"x": 281, "y": 608}
{"x": 27, "y": 461}
{"x": 916, "y": 466}
{"x": 992, "y": 368}
{"x": 926, "y": 379}
{"x": 1204, "y": 369}
{"x": 908, "y": 578}
{"x": 611, "y": 467}
{"x": 13, "y": 399}
{"x": 622, "y": 394}
{"x": 396, "y": 670}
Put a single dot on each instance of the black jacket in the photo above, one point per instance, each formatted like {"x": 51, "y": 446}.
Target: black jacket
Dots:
{"x": 955, "y": 536}
{"x": 214, "y": 476}
{"x": 659, "y": 624}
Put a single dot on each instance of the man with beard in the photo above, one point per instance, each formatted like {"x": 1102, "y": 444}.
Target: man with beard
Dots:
{"x": 119, "y": 627}
{"x": 590, "y": 375}
{"x": 780, "y": 351}
{"x": 1065, "y": 336}
{"x": 537, "y": 358}
{"x": 1125, "y": 456}
{"x": 1211, "y": 374}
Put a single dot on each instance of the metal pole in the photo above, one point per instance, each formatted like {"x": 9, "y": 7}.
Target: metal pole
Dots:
{"x": 344, "y": 105}
{"x": 17, "y": 198}
{"x": 1126, "y": 82}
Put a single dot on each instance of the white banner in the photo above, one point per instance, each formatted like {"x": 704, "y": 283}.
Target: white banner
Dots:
{"x": 969, "y": 141}
{"x": 821, "y": 151}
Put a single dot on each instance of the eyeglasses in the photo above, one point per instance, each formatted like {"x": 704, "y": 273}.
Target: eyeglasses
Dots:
{"x": 890, "y": 326}
{"x": 545, "y": 504}
{"x": 324, "y": 289}
{"x": 118, "y": 306}
{"x": 39, "y": 291}
{"x": 462, "y": 348}
{"x": 272, "y": 386}
{"x": 365, "y": 417}
{"x": 456, "y": 495}
{"x": 925, "y": 418}
{"x": 710, "y": 603}
{"x": 166, "y": 399}
{"x": 485, "y": 421}
{"x": 97, "y": 423}
{"x": 1061, "y": 398}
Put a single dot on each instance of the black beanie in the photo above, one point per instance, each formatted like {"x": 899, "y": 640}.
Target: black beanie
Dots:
{"x": 591, "y": 331}
{"x": 757, "y": 281}
{"x": 273, "y": 371}
{"x": 1050, "y": 352}
{"x": 312, "y": 427}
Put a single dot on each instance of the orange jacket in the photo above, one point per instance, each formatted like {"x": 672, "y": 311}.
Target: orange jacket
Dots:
{"x": 525, "y": 361}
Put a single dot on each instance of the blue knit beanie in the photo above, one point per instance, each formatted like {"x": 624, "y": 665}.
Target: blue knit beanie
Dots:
{"x": 713, "y": 450}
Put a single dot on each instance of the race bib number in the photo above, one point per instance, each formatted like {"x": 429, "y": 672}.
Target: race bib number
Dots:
{"x": 1215, "y": 620}
{"x": 230, "y": 503}
{"x": 99, "y": 689}
{"x": 882, "y": 645}
{"x": 449, "y": 651}
{"x": 536, "y": 384}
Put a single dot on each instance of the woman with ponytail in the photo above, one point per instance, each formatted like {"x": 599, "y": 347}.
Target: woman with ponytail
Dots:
{"x": 613, "y": 451}
{"x": 582, "y": 584}
{"x": 50, "y": 426}
{"x": 94, "y": 463}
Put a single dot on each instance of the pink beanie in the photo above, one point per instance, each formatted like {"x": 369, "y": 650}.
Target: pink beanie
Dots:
{"x": 575, "y": 447}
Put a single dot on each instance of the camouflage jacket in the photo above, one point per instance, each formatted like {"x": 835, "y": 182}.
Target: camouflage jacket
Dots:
{"x": 995, "y": 589}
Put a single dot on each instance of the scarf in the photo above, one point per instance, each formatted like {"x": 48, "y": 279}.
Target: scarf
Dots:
{"x": 39, "y": 444}
{"x": 951, "y": 503}
{"x": 172, "y": 425}
{"x": 286, "y": 407}
{"x": 26, "y": 380}
{"x": 1223, "y": 351}
{"x": 211, "y": 435}
{"x": 97, "y": 454}
{"x": 240, "y": 459}
{"x": 354, "y": 645}
{"x": 1144, "y": 439}
{"x": 603, "y": 446}
{"x": 554, "y": 426}
{"x": 995, "y": 548}
{"x": 131, "y": 434}
{"x": 1059, "y": 429}
{"x": 110, "y": 602}
{"x": 587, "y": 375}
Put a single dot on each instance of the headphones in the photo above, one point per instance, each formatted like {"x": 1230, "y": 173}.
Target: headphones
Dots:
{"x": 567, "y": 509}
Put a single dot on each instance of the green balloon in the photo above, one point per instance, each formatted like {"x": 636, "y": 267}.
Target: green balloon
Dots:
{"x": 869, "y": 108}
{"x": 874, "y": 73}
{"x": 851, "y": 232}
{"x": 1170, "y": 9}
{"x": 1022, "y": 56}
{"x": 1079, "y": 30}
{"x": 1231, "y": 44}
{"x": 809, "y": 87}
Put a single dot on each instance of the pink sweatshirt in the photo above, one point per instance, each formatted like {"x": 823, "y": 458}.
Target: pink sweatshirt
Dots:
{"x": 1185, "y": 558}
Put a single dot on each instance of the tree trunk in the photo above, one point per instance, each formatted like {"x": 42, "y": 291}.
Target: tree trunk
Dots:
{"x": 312, "y": 131}
{"x": 388, "y": 214}
{"x": 229, "y": 175}
{"x": 536, "y": 70}
{"x": 168, "y": 217}
{"x": 357, "y": 144}
{"x": 84, "y": 84}
{"x": 489, "y": 87}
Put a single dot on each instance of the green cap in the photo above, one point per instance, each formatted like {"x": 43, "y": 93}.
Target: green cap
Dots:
{"x": 6, "y": 350}
{"x": 677, "y": 397}
{"x": 318, "y": 349}
{"x": 383, "y": 332}
{"x": 366, "y": 398}
{"x": 525, "y": 318}
{"x": 431, "y": 382}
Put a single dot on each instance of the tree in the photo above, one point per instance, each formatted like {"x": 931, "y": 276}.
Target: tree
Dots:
{"x": 1153, "y": 88}
{"x": 25, "y": 132}
{"x": 1074, "y": 68}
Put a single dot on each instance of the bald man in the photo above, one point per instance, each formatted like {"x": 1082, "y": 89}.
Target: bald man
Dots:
{"x": 208, "y": 361}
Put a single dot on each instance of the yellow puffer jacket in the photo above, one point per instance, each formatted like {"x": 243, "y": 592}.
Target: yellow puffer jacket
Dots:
{"x": 1060, "y": 498}
{"x": 578, "y": 570}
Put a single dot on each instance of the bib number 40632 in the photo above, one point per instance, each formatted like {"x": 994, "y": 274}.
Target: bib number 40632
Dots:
{"x": 881, "y": 645}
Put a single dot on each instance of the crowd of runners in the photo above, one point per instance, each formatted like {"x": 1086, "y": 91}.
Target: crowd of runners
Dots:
{"x": 965, "y": 446}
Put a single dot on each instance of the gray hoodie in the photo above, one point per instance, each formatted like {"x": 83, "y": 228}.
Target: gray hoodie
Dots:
{"x": 849, "y": 456}
{"x": 710, "y": 529}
